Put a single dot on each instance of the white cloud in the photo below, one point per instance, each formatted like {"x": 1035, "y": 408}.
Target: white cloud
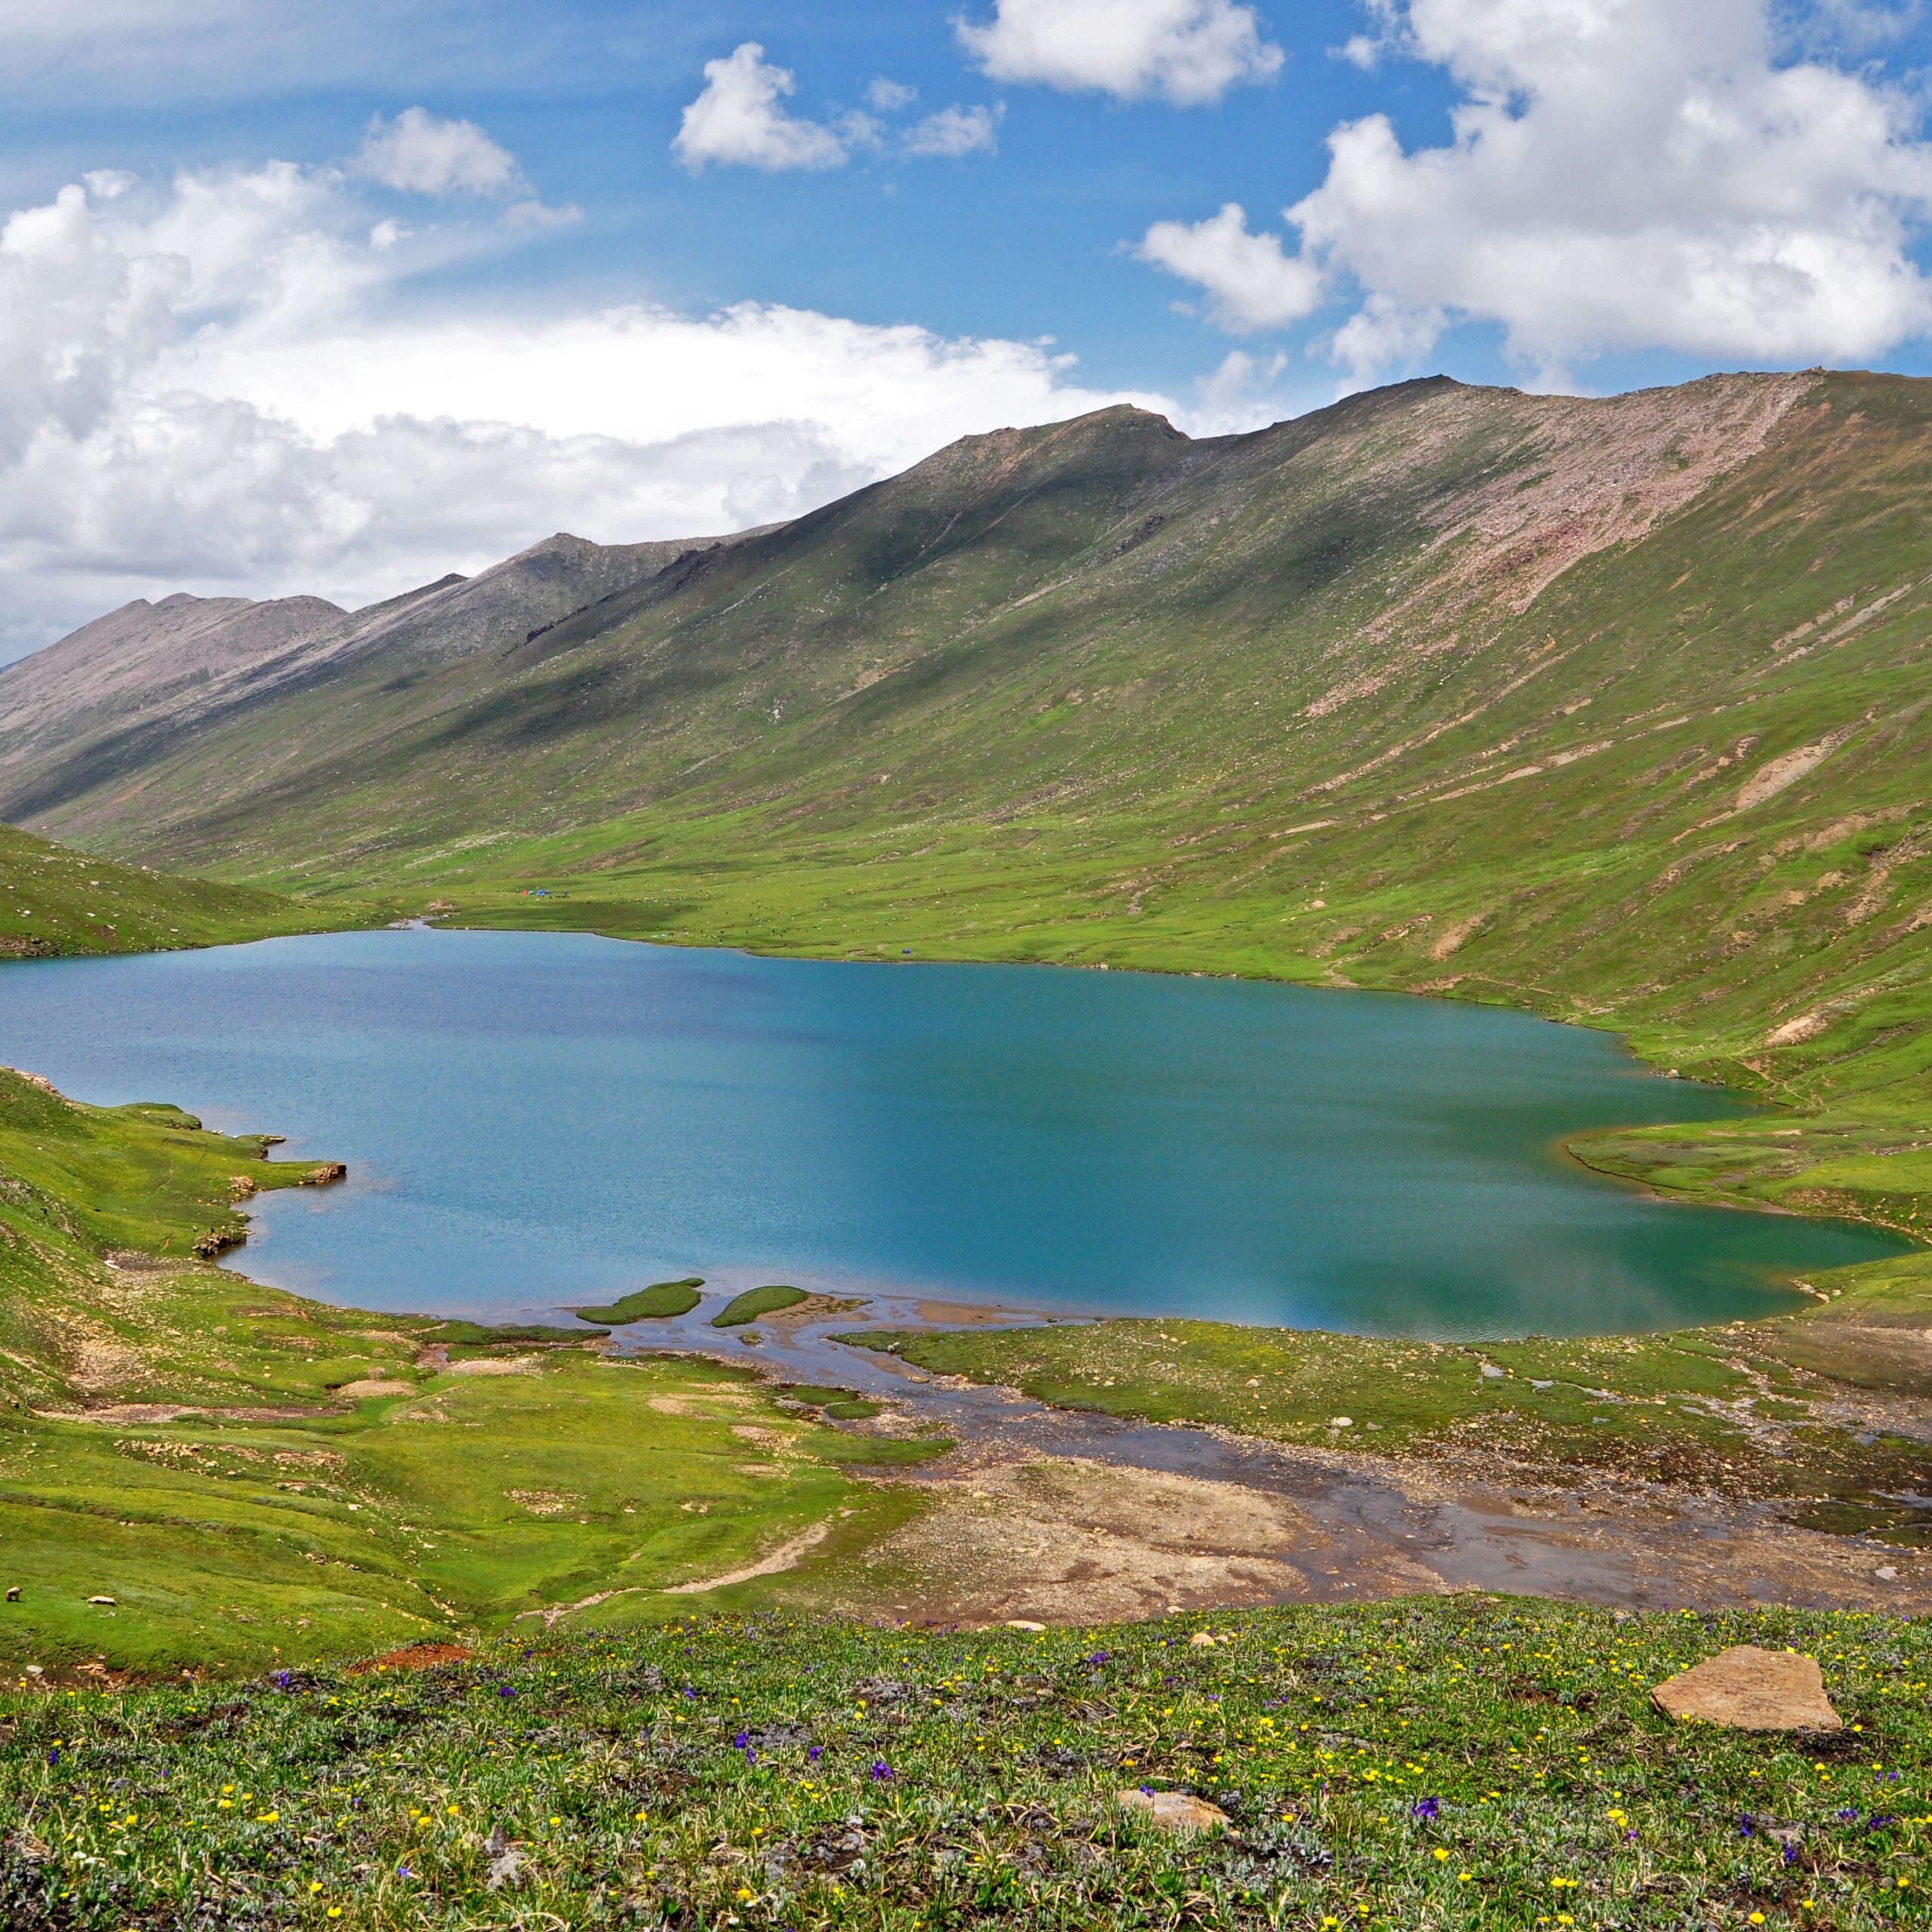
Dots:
{"x": 216, "y": 386}
{"x": 954, "y": 131}
{"x": 1187, "y": 52}
{"x": 1242, "y": 395}
{"x": 739, "y": 119}
{"x": 1252, "y": 284}
{"x": 418, "y": 154}
{"x": 887, "y": 97}
{"x": 1623, "y": 175}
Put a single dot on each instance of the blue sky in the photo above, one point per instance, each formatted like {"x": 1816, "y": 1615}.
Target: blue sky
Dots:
{"x": 330, "y": 296}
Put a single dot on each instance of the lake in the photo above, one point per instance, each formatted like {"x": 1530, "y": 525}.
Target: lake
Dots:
{"x": 534, "y": 1119}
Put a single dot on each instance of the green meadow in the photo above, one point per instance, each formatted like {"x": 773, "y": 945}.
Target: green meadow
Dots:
{"x": 1464, "y": 1762}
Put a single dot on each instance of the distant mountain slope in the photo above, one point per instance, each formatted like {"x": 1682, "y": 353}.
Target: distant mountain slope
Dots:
{"x": 1331, "y": 559}
{"x": 144, "y": 657}
{"x": 139, "y": 682}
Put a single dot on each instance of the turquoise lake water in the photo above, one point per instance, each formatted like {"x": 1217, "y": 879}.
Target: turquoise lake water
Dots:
{"x": 533, "y": 1119}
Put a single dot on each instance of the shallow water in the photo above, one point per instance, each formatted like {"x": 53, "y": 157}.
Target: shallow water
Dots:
{"x": 533, "y": 1119}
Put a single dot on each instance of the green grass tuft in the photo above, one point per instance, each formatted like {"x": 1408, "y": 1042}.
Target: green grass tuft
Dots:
{"x": 660, "y": 1301}
{"x": 754, "y": 1302}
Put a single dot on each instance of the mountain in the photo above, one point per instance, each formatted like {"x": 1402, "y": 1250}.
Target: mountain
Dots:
{"x": 132, "y": 685}
{"x": 1614, "y": 707}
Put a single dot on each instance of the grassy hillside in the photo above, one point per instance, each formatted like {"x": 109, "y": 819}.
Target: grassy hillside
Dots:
{"x": 1615, "y": 709}
{"x": 56, "y": 902}
{"x": 252, "y": 1478}
{"x": 1452, "y": 1763}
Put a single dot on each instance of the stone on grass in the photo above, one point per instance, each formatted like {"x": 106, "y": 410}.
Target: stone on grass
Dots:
{"x": 1023, "y": 1623}
{"x": 1177, "y": 1810}
{"x": 1751, "y": 1689}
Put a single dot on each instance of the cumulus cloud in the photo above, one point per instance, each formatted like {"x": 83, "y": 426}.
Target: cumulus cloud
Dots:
{"x": 954, "y": 131}
{"x": 1189, "y": 53}
{"x": 418, "y": 154}
{"x": 1252, "y": 282}
{"x": 739, "y": 119}
{"x": 214, "y": 384}
{"x": 1623, "y": 175}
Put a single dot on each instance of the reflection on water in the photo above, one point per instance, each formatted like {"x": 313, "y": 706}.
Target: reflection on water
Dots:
{"x": 533, "y": 1119}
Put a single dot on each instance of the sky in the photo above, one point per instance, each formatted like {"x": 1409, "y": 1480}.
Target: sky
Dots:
{"x": 332, "y": 297}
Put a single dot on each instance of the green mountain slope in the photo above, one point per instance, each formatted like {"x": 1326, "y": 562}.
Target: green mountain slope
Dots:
{"x": 53, "y": 902}
{"x": 1611, "y": 708}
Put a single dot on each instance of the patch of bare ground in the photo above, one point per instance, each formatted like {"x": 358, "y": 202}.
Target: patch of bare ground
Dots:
{"x": 1064, "y": 1540}
{"x": 813, "y": 1308}
{"x": 414, "y": 1656}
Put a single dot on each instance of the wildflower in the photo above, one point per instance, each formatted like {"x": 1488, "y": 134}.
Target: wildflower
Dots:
{"x": 882, "y": 1771}
{"x": 1425, "y": 1807}
{"x": 1440, "y": 1853}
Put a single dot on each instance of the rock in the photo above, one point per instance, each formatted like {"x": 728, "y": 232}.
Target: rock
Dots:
{"x": 506, "y": 1859}
{"x": 325, "y": 1176}
{"x": 1750, "y": 1689}
{"x": 1176, "y": 1810}
{"x": 1341, "y": 1422}
{"x": 1023, "y": 1623}
{"x": 1203, "y": 1640}
{"x": 1887, "y": 1573}
{"x": 109, "y": 1600}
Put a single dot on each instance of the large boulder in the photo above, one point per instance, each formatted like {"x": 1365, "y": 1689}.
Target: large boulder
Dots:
{"x": 1177, "y": 1810}
{"x": 1751, "y": 1689}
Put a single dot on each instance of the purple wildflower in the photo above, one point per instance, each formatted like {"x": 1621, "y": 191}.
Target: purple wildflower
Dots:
{"x": 506, "y": 1690}
{"x": 1790, "y": 1854}
{"x": 882, "y": 1771}
{"x": 815, "y": 1751}
{"x": 1425, "y": 1807}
